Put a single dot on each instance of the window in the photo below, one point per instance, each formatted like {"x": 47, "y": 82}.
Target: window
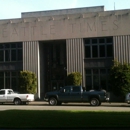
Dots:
{"x": 67, "y": 90}
{"x": 87, "y": 52}
{"x": 1, "y": 55}
{"x": 94, "y": 51}
{"x": 102, "y": 51}
{"x": 10, "y": 52}
{"x": 9, "y": 79}
{"x": 7, "y": 55}
{"x": 76, "y": 89}
{"x": 97, "y": 79}
{"x": 13, "y": 55}
{"x": 2, "y": 92}
{"x": 98, "y": 47}
{"x": 109, "y": 51}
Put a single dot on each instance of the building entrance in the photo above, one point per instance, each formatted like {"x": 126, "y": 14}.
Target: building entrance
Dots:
{"x": 54, "y": 64}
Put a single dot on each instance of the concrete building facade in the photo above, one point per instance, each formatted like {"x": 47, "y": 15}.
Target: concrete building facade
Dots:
{"x": 54, "y": 43}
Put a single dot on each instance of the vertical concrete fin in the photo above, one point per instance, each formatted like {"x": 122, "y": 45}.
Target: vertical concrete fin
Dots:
{"x": 75, "y": 56}
{"x": 31, "y": 59}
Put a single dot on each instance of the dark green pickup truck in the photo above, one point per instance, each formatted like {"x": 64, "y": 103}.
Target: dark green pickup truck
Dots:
{"x": 76, "y": 94}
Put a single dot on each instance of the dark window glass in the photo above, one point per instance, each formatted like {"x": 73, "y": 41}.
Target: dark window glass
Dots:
{"x": 1, "y": 82}
{"x": 87, "y": 52}
{"x": 2, "y": 92}
{"x": 88, "y": 71}
{"x": 14, "y": 73}
{"x": 87, "y": 41}
{"x": 7, "y": 55}
{"x": 7, "y": 74}
{"x": 88, "y": 82}
{"x": 14, "y": 84}
{"x": 1, "y": 46}
{"x": 54, "y": 86}
{"x": 67, "y": 89}
{"x": 108, "y": 71}
{"x": 1, "y": 55}
{"x": 1, "y": 74}
{"x": 94, "y": 41}
{"x": 7, "y": 82}
{"x": 102, "y": 40}
{"x": 76, "y": 89}
{"x": 13, "y": 45}
{"x": 102, "y": 50}
{"x": 102, "y": 71}
{"x": 109, "y": 51}
{"x": 95, "y": 71}
{"x": 7, "y": 45}
{"x": 96, "y": 82}
{"x": 20, "y": 55}
{"x": 94, "y": 51}
{"x": 103, "y": 82}
{"x": 19, "y": 45}
{"x": 61, "y": 85}
{"x": 13, "y": 55}
{"x": 109, "y": 40}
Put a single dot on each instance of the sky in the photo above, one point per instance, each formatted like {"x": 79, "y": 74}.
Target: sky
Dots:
{"x": 13, "y": 8}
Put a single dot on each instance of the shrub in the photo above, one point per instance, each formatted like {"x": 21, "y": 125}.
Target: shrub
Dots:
{"x": 28, "y": 82}
{"x": 120, "y": 78}
{"x": 74, "y": 78}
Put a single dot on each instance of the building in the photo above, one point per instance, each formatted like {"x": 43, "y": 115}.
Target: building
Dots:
{"x": 57, "y": 42}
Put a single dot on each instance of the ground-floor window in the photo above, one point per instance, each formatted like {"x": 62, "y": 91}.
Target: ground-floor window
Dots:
{"x": 97, "y": 78}
{"x": 9, "y": 79}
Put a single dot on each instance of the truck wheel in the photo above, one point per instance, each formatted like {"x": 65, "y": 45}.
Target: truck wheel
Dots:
{"x": 17, "y": 101}
{"x": 94, "y": 102}
{"x": 52, "y": 101}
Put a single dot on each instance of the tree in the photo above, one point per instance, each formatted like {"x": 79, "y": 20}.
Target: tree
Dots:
{"x": 74, "y": 78}
{"x": 120, "y": 78}
{"x": 28, "y": 82}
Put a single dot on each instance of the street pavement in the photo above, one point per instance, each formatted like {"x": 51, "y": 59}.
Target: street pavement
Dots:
{"x": 41, "y": 105}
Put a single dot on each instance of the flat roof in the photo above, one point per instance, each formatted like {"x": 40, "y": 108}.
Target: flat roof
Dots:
{"x": 62, "y": 11}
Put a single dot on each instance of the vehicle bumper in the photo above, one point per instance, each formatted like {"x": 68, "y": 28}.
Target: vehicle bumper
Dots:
{"x": 30, "y": 100}
{"x": 127, "y": 101}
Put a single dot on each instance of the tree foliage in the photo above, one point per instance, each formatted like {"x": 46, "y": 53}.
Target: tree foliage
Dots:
{"x": 74, "y": 78}
{"x": 28, "y": 82}
{"x": 120, "y": 78}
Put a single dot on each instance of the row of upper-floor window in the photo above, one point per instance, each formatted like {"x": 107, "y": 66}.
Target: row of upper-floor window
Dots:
{"x": 11, "y": 55}
{"x": 98, "y": 47}
{"x": 10, "y": 45}
{"x": 9, "y": 79}
{"x": 11, "y": 52}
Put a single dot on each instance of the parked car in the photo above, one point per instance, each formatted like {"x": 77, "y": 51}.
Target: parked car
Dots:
{"x": 9, "y": 96}
{"x": 76, "y": 94}
{"x": 127, "y": 98}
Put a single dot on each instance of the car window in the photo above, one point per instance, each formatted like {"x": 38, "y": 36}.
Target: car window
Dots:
{"x": 9, "y": 92}
{"x": 76, "y": 89}
{"x": 2, "y": 92}
{"x": 67, "y": 89}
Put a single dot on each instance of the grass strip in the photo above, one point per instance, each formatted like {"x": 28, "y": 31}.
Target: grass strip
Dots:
{"x": 62, "y": 119}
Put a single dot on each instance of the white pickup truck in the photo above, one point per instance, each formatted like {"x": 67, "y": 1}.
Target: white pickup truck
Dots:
{"x": 9, "y": 96}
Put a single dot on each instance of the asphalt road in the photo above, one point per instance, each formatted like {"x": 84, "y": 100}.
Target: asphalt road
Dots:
{"x": 68, "y": 106}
